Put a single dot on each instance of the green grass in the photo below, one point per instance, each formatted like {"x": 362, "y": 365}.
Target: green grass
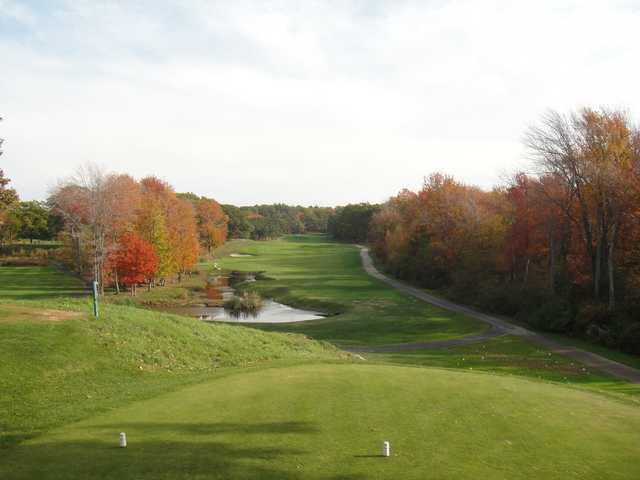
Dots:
{"x": 310, "y": 272}
{"x": 329, "y": 422}
{"x": 35, "y": 282}
{"x": 57, "y": 366}
{"x": 621, "y": 357}
{"x": 510, "y": 355}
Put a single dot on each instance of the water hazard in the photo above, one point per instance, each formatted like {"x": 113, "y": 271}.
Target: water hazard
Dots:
{"x": 270, "y": 312}
{"x": 217, "y": 291}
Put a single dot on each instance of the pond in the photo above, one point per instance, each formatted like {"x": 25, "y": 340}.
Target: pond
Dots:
{"x": 270, "y": 312}
{"x": 217, "y": 291}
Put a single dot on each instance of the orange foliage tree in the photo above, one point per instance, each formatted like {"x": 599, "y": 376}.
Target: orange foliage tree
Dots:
{"x": 183, "y": 236}
{"x": 212, "y": 223}
{"x": 135, "y": 260}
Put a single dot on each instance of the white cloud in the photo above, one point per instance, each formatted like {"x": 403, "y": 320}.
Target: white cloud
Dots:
{"x": 314, "y": 102}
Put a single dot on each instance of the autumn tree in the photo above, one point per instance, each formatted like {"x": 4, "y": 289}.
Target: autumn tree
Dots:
{"x": 593, "y": 155}
{"x": 122, "y": 202}
{"x": 169, "y": 224}
{"x": 212, "y": 223}
{"x": 151, "y": 226}
{"x": 183, "y": 236}
{"x": 8, "y": 197}
{"x": 135, "y": 260}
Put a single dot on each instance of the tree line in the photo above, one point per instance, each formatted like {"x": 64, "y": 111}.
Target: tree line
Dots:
{"x": 117, "y": 230}
{"x": 558, "y": 247}
{"x": 121, "y": 231}
{"x": 262, "y": 222}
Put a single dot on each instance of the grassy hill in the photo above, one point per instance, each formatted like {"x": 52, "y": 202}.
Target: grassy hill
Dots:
{"x": 58, "y": 364}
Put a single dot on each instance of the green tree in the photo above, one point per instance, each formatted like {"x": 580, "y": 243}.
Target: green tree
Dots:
{"x": 351, "y": 223}
{"x": 31, "y": 220}
{"x": 239, "y": 225}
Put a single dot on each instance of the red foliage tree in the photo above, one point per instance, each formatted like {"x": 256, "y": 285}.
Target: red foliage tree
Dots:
{"x": 136, "y": 261}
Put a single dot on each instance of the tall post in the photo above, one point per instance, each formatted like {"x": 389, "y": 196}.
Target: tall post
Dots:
{"x": 95, "y": 298}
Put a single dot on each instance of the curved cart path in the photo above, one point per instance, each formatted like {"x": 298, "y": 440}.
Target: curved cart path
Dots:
{"x": 498, "y": 327}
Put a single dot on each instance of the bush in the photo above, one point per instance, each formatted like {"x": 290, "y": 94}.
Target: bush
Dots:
{"x": 503, "y": 299}
{"x": 24, "y": 262}
{"x": 249, "y": 302}
{"x": 591, "y": 317}
{"x": 554, "y": 315}
{"x": 630, "y": 338}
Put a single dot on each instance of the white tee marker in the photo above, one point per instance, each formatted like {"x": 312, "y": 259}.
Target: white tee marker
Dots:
{"x": 123, "y": 440}
{"x": 386, "y": 449}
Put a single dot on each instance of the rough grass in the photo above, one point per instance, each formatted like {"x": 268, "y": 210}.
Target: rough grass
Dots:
{"x": 509, "y": 355}
{"x": 329, "y": 421}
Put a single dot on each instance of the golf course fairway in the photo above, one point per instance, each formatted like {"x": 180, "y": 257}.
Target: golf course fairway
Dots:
{"x": 329, "y": 421}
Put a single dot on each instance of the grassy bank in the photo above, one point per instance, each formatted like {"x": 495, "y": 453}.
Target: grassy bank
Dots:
{"x": 58, "y": 364}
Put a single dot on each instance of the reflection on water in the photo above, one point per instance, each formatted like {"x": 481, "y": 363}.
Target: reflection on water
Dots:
{"x": 271, "y": 312}
{"x": 217, "y": 288}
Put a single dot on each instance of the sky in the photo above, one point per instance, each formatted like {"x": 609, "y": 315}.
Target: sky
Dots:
{"x": 311, "y": 103}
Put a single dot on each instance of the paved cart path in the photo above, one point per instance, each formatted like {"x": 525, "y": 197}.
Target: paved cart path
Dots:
{"x": 497, "y": 328}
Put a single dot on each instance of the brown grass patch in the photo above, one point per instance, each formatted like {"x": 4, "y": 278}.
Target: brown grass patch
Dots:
{"x": 15, "y": 313}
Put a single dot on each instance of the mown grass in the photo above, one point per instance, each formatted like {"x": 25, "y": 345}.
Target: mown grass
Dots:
{"x": 329, "y": 421}
{"x": 313, "y": 273}
{"x": 37, "y": 282}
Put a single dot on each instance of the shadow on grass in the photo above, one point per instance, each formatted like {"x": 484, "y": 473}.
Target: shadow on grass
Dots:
{"x": 145, "y": 460}
{"x": 199, "y": 455}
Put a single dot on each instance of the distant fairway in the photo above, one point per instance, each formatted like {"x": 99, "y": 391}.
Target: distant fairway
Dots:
{"x": 310, "y": 271}
{"x": 25, "y": 283}
{"x": 329, "y": 421}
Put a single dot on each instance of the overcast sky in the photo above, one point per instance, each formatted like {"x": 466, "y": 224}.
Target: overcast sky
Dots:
{"x": 300, "y": 102}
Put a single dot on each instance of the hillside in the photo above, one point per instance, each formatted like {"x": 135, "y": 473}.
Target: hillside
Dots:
{"x": 57, "y": 363}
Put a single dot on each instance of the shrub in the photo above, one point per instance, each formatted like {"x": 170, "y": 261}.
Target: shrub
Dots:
{"x": 590, "y": 318}
{"x": 630, "y": 338}
{"x": 504, "y": 299}
{"x": 553, "y": 315}
{"x": 249, "y": 302}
